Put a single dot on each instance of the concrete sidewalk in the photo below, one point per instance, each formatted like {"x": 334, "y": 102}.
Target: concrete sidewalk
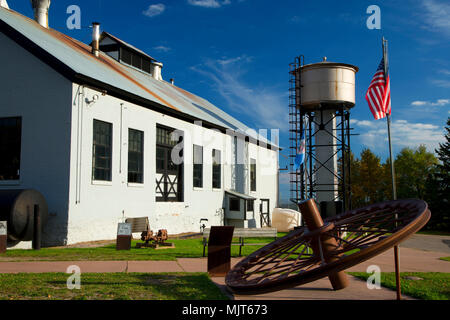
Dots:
{"x": 411, "y": 260}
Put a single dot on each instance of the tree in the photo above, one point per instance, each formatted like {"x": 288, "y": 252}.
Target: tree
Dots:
{"x": 413, "y": 168}
{"x": 366, "y": 179}
{"x": 437, "y": 189}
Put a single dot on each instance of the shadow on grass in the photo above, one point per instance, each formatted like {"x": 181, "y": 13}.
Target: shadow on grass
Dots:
{"x": 197, "y": 286}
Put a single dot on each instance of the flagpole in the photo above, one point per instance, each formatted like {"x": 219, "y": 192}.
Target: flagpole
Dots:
{"x": 394, "y": 187}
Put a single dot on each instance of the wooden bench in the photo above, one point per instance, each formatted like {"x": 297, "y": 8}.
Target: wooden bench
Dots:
{"x": 243, "y": 233}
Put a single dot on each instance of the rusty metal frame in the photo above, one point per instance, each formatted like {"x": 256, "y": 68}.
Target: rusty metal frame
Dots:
{"x": 288, "y": 262}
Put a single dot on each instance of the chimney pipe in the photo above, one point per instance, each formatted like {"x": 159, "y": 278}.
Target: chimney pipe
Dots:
{"x": 40, "y": 8}
{"x": 95, "y": 38}
{"x": 4, "y": 4}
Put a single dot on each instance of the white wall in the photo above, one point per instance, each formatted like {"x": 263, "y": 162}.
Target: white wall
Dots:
{"x": 41, "y": 96}
{"x": 96, "y": 208}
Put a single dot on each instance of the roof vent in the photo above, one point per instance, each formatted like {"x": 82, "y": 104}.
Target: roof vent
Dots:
{"x": 4, "y": 4}
{"x": 156, "y": 70}
{"x": 40, "y": 8}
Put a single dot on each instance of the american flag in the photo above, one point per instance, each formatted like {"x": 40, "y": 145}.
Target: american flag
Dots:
{"x": 378, "y": 95}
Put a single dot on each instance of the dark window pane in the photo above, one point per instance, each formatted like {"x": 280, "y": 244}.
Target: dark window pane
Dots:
{"x": 125, "y": 56}
{"x": 146, "y": 65}
{"x": 10, "y": 146}
{"x": 250, "y": 205}
{"x": 217, "y": 170}
{"x": 235, "y": 204}
{"x": 135, "y": 156}
{"x": 252, "y": 174}
{"x": 136, "y": 61}
{"x": 198, "y": 166}
{"x": 102, "y": 151}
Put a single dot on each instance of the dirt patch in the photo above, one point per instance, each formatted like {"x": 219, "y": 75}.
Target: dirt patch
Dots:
{"x": 88, "y": 244}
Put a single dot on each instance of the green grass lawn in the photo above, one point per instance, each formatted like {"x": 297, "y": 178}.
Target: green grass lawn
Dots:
{"x": 445, "y": 258}
{"x": 186, "y": 248}
{"x": 110, "y": 286}
{"x": 434, "y": 286}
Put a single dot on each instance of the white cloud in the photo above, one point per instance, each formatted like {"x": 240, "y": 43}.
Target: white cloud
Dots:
{"x": 162, "y": 48}
{"x": 209, "y": 3}
{"x": 154, "y": 10}
{"x": 439, "y": 102}
{"x": 362, "y": 123}
{"x": 441, "y": 83}
{"x": 437, "y": 15}
{"x": 403, "y": 134}
{"x": 265, "y": 105}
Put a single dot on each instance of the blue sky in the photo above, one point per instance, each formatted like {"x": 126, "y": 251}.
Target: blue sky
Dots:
{"x": 236, "y": 54}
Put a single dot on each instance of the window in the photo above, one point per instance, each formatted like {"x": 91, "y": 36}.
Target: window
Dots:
{"x": 169, "y": 182}
{"x": 10, "y": 145}
{"x": 235, "y": 204}
{"x": 135, "y": 156}
{"x": 250, "y": 205}
{"x": 216, "y": 169}
{"x": 135, "y": 60}
{"x": 125, "y": 56}
{"x": 198, "y": 166}
{"x": 252, "y": 175}
{"x": 102, "y": 151}
{"x": 146, "y": 65}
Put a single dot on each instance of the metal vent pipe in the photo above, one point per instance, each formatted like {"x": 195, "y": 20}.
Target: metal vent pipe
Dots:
{"x": 4, "y": 4}
{"x": 40, "y": 8}
{"x": 156, "y": 70}
{"x": 95, "y": 38}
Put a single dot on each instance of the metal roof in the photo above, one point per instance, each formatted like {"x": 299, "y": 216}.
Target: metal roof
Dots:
{"x": 239, "y": 195}
{"x": 77, "y": 57}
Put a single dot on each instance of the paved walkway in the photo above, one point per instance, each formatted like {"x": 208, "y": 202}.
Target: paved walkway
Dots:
{"x": 411, "y": 260}
{"x": 428, "y": 243}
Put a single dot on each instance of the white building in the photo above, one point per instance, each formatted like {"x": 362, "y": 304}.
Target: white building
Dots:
{"x": 93, "y": 135}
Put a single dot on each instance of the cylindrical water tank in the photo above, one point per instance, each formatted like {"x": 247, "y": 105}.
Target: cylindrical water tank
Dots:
{"x": 17, "y": 208}
{"x": 325, "y": 84}
{"x": 285, "y": 219}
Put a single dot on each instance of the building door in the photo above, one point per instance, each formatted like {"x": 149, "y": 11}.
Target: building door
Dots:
{"x": 264, "y": 212}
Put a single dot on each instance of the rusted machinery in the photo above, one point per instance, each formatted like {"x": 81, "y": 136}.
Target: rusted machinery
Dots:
{"x": 18, "y": 207}
{"x": 324, "y": 248}
{"x": 158, "y": 239}
{"x": 151, "y": 240}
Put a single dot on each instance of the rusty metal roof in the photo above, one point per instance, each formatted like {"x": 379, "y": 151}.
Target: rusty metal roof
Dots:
{"x": 76, "y": 56}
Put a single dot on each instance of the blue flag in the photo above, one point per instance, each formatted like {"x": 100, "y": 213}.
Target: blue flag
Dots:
{"x": 300, "y": 156}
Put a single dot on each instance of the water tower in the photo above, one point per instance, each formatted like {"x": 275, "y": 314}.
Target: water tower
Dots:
{"x": 321, "y": 96}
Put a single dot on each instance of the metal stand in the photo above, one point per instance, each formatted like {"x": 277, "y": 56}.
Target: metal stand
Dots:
{"x": 219, "y": 250}
{"x": 37, "y": 228}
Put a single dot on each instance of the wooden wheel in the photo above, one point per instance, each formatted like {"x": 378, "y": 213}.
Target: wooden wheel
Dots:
{"x": 326, "y": 248}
